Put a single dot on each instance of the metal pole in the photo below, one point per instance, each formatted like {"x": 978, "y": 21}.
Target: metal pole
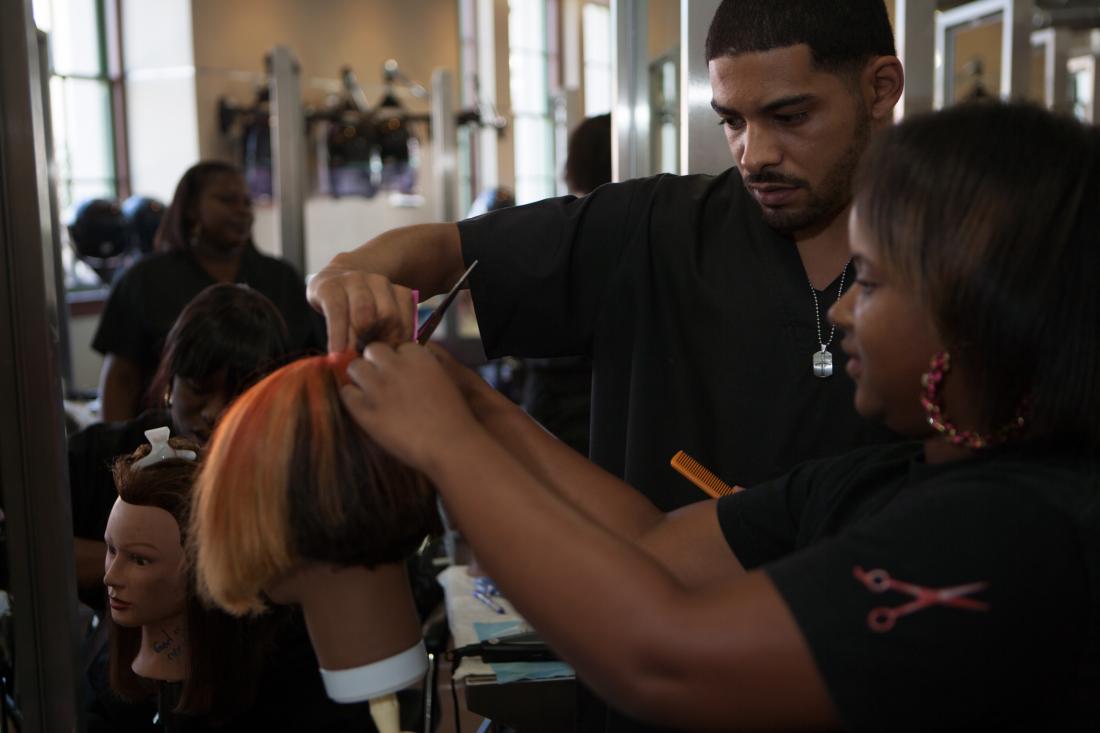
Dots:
{"x": 444, "y": 145}
{"x": 32, "y": 428}
{"x": 1055, "y": 45}
{"x": 703, "y": 147}
{"x": 1019, "y": 20}
{"x": 288, "y": 152}
{"x": 55, "y": 217}
{"x": 630, "y": 89}
{"x": 914, "y": 32}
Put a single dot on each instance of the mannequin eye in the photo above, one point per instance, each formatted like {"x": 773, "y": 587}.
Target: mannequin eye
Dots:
{"x": 140, "y": 560}
{"x": 111, "y": 549}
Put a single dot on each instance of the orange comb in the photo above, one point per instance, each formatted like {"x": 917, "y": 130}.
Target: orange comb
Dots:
{"x": 697, "y": 474}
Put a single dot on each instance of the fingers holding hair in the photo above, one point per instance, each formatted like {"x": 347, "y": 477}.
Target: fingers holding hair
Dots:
{"x": 358, "y": 304}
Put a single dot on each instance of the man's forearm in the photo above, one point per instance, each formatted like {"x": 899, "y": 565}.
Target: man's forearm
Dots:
{"x": 427, "y": 257}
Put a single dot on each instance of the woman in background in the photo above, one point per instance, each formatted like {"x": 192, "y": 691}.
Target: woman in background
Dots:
{"x": 204, "y": 238}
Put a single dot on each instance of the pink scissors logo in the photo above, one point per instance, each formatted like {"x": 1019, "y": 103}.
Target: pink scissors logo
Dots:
{"x": 882, "y": 618}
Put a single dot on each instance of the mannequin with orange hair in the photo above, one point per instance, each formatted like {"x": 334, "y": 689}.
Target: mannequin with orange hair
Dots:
{"x": 295, "y": 505}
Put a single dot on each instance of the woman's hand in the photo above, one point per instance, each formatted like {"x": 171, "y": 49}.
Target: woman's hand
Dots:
{"x": 407, "y": 401}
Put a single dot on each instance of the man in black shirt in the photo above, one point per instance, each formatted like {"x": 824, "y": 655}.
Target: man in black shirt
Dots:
{"x": 701, "y": 300}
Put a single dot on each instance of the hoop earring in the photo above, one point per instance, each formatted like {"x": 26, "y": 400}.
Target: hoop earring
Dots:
{"x": 932, "y": 402}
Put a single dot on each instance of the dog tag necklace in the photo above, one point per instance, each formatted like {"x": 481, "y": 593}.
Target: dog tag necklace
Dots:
{"x": 823, "y": 359}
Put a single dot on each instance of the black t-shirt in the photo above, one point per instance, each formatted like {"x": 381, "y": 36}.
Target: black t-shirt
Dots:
{"x": 850, "y": 542}
{"x": 289, "y": 695}
{"x": 92, "y": 452}
{"x": 698, "y": 318}
{"x": 146, "y": 300}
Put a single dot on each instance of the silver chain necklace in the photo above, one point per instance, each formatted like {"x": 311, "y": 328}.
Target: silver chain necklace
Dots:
{"x": 823, "y": 360}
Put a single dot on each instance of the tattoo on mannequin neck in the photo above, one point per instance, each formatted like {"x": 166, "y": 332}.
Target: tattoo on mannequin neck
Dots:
{"x": 172, "y": 645}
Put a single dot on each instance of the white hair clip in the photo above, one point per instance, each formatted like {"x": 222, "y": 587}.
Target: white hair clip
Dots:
{"x": 158, "y": 439}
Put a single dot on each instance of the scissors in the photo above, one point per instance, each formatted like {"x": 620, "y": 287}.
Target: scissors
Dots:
{"x": 882, "y": 619}
{"x": 427, "y": 328}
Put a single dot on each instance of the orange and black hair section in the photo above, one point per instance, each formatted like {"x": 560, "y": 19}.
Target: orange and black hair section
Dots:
{"x": 225, "y": 652}
{"x": 289, "y": 478}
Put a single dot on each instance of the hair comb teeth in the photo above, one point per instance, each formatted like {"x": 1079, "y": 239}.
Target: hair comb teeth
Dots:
{"x": 698, "y": 474}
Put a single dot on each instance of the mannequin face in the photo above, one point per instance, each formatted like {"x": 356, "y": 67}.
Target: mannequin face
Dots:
{"x": 144, "y": 565}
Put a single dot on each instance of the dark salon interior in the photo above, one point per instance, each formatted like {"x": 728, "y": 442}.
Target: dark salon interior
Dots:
{"x": 549, "y": 366}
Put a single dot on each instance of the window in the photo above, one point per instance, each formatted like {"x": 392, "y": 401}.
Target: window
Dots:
{"x": 533, "y": 124}
{"x": 80, "y": 99}
{"x": 596, "y": 22}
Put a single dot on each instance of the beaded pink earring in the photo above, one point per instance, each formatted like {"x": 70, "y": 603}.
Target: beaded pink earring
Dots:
{"x": 932, "y": 402}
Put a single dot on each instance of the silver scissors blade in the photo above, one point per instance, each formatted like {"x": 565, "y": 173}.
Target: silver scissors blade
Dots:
{"x": 427, "y": 328}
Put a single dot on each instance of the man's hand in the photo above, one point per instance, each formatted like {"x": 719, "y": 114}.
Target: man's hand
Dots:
{"x": 406, "y": 401}
{"x": 361, "y": 305}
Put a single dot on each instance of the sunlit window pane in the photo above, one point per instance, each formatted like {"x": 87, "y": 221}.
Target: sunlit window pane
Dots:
{"x": 535, "y": 177}
{"x": 597, "y": 59}
{"x": 82, "y": 137}
{"x": 597, "y": 91}
{"x": 528, "y": 83}
{"x": 1081, "y": 92}
{"x": 528, "y": 69}
{"x": 527, "y": 25}
{"x": 43, "y": 14}
{"x": 597, "y": 34}
{"x": 74, "y": 38}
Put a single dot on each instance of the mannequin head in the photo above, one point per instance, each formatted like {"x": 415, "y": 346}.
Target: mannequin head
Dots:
{"x": 151, "y": 591}
{"x": 144, "y": 569}
{"x": 296, "y": 505}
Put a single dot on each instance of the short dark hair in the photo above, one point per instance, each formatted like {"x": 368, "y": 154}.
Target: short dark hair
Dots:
{"x": 177, "y": 226}
{"x": 588, "y": 161}
{"x": 989, "y": 213}
{"x": 228, "y": 326}
{"x": 843, "y": 35}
